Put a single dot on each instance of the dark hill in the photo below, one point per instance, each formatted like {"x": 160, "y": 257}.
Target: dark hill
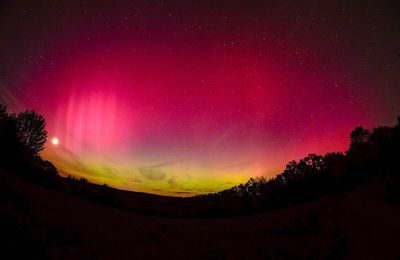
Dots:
{"x": 38, "y": 221}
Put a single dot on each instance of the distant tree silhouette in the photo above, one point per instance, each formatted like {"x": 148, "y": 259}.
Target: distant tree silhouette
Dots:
{"x": 31, "y": 131}
{"x": 359, "y": 135}
{"x": 83, "y": 180}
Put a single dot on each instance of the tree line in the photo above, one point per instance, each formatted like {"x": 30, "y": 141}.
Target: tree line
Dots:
{"x": 373, "y": 154}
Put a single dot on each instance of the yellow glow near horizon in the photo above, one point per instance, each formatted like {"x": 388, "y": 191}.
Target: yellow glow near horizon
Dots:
{"x": 161, "y": 179}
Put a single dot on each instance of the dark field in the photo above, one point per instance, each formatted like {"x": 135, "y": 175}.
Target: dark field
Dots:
{"x": 38, "y": 221}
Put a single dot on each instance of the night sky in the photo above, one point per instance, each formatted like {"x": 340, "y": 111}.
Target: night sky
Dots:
{"x": 188, "y": 97}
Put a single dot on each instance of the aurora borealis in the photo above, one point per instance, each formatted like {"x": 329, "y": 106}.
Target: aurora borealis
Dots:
{"x": 180, "y": 98}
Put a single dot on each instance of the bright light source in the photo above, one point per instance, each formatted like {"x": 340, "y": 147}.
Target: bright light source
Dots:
{"x": 54, "y": 141}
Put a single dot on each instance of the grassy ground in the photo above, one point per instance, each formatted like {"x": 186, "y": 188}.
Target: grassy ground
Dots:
{"x": 37, "y": 221}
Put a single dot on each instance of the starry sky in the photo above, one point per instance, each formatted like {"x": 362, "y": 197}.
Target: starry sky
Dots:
{"x": 188, "y": 97}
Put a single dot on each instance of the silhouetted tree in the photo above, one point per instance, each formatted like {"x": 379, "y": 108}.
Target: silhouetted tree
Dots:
{"x": 359, "y": 135}
{"x": 10, "y": 147}
{"x": 49, "y": 168}
{"x": 31, "y": 131}
{"x": 83, "y": 180}
{"x": 22, "y": 137}
{"x": 336, "y": 164}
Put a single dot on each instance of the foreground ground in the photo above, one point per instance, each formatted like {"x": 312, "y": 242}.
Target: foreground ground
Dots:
{"x": 37, "y": 221}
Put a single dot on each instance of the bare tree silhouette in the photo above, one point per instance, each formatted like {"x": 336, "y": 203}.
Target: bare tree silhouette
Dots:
{"x": 31, "y": 131}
